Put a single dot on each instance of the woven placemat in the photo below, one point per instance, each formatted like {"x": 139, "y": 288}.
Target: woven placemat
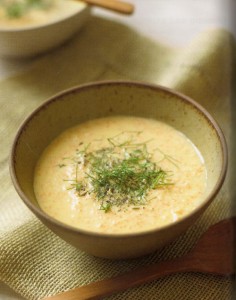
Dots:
{"x": 35, "y": 262}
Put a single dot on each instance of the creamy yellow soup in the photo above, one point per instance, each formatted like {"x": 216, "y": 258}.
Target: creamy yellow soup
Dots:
{"x": 17, "y": 13}
{"x": 119, "y": 175}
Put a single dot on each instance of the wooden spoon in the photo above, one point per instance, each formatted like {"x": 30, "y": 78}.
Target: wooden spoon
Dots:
{"x": 212, "y": 254}
{"x": 114, "y": 5}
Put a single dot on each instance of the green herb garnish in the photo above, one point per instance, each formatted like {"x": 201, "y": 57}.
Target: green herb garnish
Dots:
{"x": 123, "y": 173}
{"x": 16, "y": 9}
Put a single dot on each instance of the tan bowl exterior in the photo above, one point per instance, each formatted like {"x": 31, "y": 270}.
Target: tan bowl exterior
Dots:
{"x": 106, "y": 99}
{"x": 31, "y": 41}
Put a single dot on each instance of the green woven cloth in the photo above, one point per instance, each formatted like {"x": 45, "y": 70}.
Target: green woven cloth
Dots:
{"x": 34, "y": 261}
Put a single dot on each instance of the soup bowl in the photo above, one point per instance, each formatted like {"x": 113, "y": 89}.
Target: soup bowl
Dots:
{"x": 96, "y": 100}
{"x": 28, "y": 38}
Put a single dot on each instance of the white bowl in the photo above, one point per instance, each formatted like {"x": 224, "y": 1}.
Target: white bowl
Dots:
{"x": 30, "y": 40}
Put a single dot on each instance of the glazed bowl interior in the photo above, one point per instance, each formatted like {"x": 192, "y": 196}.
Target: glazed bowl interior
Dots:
{"x": 108, "y": 99}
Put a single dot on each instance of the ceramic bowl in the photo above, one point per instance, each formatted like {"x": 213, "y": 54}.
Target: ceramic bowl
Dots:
{"x": 30, "y": 40}
{"x": 107, "y": 99}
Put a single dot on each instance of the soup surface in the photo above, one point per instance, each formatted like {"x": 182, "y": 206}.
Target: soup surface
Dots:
{"x": 119, "y": 175}
{"x": 26, "y": 13}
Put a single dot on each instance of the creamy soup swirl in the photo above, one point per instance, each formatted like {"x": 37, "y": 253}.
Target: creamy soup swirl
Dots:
{"x": 119, "y": 175}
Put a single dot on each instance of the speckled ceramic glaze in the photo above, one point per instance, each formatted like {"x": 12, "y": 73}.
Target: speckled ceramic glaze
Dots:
{"x": 107, "y": 99}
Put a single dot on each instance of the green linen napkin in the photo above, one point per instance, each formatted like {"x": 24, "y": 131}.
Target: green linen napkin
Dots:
{"x": 35, "y": 262}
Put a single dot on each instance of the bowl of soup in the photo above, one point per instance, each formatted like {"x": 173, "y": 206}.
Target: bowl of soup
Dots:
{"x": 32, "y": 27}
{"x": 118, "y": 169}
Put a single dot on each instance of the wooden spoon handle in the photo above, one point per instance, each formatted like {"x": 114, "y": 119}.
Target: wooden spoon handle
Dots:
{"x": 107, "y": 287}
{"x": 114, "y": 5}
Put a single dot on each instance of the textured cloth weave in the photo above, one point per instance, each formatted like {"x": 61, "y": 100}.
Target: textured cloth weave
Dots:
{"x": 34, "y": 261}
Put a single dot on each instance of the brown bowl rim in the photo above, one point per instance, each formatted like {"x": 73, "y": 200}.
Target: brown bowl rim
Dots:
{"x": 42, "y": 215}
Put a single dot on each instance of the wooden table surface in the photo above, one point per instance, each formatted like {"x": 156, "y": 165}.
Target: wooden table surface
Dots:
{"x": 173, "y": 22}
